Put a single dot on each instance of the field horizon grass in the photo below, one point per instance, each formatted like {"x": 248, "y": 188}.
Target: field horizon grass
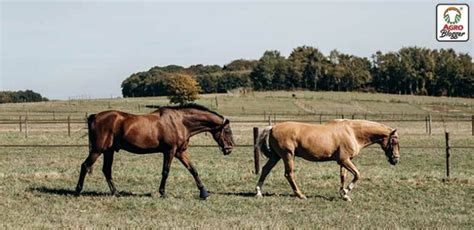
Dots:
{"x": 37, "y": 184}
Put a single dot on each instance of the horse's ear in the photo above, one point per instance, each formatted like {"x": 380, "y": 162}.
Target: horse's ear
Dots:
{"x": 226, "y": 121}
{"x": 393, "y": 132}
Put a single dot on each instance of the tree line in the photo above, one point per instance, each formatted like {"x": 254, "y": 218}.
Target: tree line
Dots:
{"x": 411, "y": 70}
{"x": 20, "y": 96}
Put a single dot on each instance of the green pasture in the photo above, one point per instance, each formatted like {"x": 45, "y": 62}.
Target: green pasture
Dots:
{"x": 37, "y": 184}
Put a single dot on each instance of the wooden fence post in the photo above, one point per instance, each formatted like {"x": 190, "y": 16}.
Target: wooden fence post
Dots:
{"x": 87, "y": 126}
{"x": 269, "y": 119}
{"x": 26, "y": 126}
{"x": 256, "y": 152}
{"x": 429, "y": 124}
{"x": 19, "y": 122}
{"x": 448, "y": 148}
{"x": 426, "y": 124}
{"x": 69, "y": 125}
{"x": 320, "y": 118}
{"x": 472, "y": 124}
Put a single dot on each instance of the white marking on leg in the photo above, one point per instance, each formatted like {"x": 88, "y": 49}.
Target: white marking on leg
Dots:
{"x": 259, "y": 192}
{"x": 351, "y": 186}
{"x": 343, "y": 192}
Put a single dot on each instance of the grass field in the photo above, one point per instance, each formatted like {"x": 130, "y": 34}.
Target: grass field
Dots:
{"x": 36, "y": 189}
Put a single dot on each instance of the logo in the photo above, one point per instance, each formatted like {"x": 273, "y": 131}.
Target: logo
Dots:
{"x": 452, "y": 22}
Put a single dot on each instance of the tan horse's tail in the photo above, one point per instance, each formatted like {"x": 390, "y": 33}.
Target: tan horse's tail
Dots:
{"x": 263, "y": 142}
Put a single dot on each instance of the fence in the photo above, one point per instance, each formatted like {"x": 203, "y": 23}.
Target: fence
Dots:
{"x": 256, "y": 151}
{"x": 23, "y": 122}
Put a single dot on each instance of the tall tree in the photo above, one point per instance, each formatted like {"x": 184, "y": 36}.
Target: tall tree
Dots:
{"x": 182, "y": 88}
{"x": 268, "y": 74}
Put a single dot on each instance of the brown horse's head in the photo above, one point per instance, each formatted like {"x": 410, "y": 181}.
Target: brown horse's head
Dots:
{"x": 223, "y": 136}
{"x": 392, "y": 148}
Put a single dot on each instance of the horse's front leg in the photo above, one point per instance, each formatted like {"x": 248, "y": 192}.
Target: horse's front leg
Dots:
{"x": 167, "y": 159}
{"x": 184, "y": 158}
{"x": 347, "y": 164}
{"x": 290, "y": 176}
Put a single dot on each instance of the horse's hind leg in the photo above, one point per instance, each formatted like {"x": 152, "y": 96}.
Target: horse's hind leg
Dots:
{"x": 342, "y": 191}
{"x": 272, "y": 161}
{"x": 288, "y": 159}
{"x": 107, "y": 170}
{"x": 86, "y": 167}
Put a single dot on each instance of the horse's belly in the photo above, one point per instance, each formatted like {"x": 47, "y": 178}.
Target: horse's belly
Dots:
{"x": 142, "y": 146}
{"x": 140, "y": 150}
{"x": 312, "y": 155}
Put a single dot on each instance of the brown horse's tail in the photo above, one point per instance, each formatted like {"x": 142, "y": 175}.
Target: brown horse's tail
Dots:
{"x": 263, "y": 142}
{"x": 91, "y": 119}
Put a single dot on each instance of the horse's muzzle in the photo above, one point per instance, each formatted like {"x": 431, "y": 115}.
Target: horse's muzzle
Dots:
{"x": 394, "y": 160}
{"x": 227, "y": 151}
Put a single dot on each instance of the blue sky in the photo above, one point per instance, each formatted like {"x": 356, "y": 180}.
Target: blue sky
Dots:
{"x": 69, "y": 49}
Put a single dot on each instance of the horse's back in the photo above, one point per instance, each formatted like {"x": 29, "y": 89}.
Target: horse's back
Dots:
{"x": 311, "y": 141}
{"x": 116, "y": 129}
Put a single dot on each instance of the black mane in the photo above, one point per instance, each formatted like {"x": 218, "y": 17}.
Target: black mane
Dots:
{"x": 189, "y": 106}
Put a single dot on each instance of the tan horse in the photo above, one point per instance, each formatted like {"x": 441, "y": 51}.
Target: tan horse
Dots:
{"x": 339, "y": 140}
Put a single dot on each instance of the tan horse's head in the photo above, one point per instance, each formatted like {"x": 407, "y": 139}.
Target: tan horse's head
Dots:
{"x": 392, "y": 148}
{"x": 223, "y": 136}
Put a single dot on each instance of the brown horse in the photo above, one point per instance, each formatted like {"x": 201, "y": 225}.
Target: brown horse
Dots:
{"x": 165, "y": 130}
{"x": 338, "y": 140}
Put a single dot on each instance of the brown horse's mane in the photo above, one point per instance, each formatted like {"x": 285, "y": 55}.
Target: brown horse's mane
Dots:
{"x": 188, "y": 106}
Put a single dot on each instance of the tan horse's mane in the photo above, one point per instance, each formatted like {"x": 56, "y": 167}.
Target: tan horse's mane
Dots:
{"x": 361, "y": 123}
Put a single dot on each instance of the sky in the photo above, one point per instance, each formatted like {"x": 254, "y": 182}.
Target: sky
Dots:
{"x": 68, "y": 49}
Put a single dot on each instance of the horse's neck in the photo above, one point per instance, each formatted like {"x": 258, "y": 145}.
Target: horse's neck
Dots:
{"x": 199, "y": 122}
{"x": 368, "y": 134}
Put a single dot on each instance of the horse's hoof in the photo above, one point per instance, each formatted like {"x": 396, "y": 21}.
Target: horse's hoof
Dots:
{"x": 115, "y": 194}
{"x": 346, "y": 198}
{"x": 302, "y": 197}
{"x": 203, "y": 194}
{"x": 163, "y": 195}
{"x": 259, "y": 195}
